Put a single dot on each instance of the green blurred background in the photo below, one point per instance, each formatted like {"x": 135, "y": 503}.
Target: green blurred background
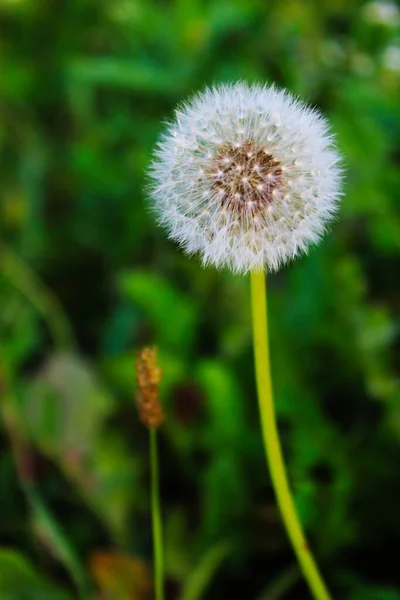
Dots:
{"x": 87, "y": 279}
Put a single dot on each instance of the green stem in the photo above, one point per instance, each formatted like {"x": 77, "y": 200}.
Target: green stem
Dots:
{"x": 156, "y": 517}
{"x": 272, "y": 445}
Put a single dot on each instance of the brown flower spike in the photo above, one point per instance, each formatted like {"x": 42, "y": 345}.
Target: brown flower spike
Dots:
{"x": 148, "y": 394}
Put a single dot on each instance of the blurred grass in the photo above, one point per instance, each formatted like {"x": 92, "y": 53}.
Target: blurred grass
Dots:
{"x": 84, "y": 89}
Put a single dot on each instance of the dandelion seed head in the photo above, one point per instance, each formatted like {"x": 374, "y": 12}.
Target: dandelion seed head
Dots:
{"x": 246, "y": 176}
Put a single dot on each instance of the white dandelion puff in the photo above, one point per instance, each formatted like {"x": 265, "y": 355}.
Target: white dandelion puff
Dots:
{"x": 246, "y": 176}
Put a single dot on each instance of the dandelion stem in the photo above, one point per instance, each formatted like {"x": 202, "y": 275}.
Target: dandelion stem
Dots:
{"x": 272, "y": 445}
{"x": 156, "y": 517}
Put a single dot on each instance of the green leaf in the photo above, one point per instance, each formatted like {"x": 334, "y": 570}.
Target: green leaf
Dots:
{"x": 225, "y": 402}
{"x": 202, "y": 574}
{"x": 127, "y": 74}
{"x": 26, "y": 281}
{"x": 361, "y": 590}
{"x": 66, "y": 408}
{"x": 226, "y": 433}
{"x": 20, "y": 581}
{"x": 55, "y": 539}
{"x": 281, "y": 584}
{"x": 170, "y": 311}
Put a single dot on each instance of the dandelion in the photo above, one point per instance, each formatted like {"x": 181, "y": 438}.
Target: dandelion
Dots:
{"x": 246, "y": 176}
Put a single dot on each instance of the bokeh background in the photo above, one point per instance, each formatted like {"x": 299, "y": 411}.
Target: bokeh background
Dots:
{"x": 87, "y": 279}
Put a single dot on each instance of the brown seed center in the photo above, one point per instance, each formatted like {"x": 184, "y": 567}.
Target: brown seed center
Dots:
{"x": 245, "y": 177}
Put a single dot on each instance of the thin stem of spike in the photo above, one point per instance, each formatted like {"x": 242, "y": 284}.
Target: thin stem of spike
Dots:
{"x": 156, "y": 517}
{"x": 272, "y": 445}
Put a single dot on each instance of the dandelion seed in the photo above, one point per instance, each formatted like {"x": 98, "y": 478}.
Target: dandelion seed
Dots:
{"x": 216, "y": 200}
